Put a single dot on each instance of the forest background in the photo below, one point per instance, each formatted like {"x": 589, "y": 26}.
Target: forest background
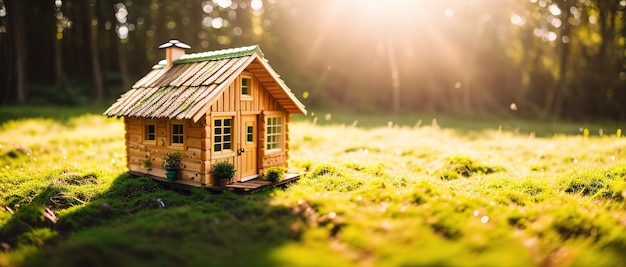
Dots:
{"x": 546, "y": 59}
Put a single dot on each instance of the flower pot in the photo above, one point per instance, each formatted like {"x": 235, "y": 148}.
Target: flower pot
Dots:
{"x": 171, "y": 175}
{"x": 224, "y": 182}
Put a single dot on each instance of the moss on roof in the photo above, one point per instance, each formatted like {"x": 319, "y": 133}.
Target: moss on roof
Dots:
{"x": 213, "y": 55}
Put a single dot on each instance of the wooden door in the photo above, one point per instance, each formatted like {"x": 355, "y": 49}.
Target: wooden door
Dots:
{"x": 248, "y": 149}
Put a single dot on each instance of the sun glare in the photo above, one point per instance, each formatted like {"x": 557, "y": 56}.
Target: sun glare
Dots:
{"x": 383, "y": 15}
{"x": 386, "y": 38}
{"x": 223, "y": 3}
{"x": 554, "y": 9}
{"x": 256, "y": 4}
{"x": 379, "y": 7}
{"x": 449, "y": 12}
{"x": 517, "y": 20}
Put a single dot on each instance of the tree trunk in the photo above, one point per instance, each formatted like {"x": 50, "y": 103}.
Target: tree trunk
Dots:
{"x": 17, "y": 29}
{"x": 121, "y": 53}
{"x": 58, "y": 60}
{"x": 607, "y": 12}
{"x": 95, "y": 58}
{"x": 559, "y": 90}
{"x": 58, "y": 54}
{"x": 6, "y": 69}
{"x": 395, "y": 79}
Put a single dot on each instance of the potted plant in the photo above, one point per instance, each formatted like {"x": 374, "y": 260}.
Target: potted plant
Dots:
{"x": 223, "y": 171}
{"x": 171, "y": 163}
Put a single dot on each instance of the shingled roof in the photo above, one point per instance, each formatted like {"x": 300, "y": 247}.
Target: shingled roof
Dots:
{"x": 188, "y": 88}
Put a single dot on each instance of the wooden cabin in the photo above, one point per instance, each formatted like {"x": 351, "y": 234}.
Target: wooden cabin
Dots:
{"x": 218, "y": 105}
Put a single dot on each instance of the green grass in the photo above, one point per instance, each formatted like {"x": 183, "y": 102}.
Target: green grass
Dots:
{"x": 458, "y": 192}
{"x": 466, "y": 123}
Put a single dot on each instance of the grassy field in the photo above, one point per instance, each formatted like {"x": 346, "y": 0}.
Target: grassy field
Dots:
{"x": 410, "y": 190}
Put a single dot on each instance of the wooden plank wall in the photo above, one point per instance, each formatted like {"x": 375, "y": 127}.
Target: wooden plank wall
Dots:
{"x": 269, "y": 103}
{"x": 228, "y": 100}
{"x": 231, "y": 99}
{"x": 287, "y": 121}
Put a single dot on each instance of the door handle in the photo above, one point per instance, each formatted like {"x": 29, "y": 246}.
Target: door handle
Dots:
{"x": 240, "y": 151}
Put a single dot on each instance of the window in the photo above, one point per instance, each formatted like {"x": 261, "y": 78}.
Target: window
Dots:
{"x": 222, "y": 134}
{"x": 177, "y": 133}
{"x": 149, "y": 131}
{"x": 274, "y": 133}
{"x": 249, "y": 132}
{"x": 246, "y": 86}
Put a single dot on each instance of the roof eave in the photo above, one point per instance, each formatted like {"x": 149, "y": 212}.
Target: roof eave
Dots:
{"x": 300, "y": 107}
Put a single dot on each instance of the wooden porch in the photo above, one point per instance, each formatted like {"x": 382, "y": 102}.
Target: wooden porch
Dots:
{"x": 248, "y": 187}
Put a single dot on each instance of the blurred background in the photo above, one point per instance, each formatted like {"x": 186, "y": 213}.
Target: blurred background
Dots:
{"x": 559, "y": 59}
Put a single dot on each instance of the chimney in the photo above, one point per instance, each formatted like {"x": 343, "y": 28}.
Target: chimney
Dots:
{"x": 174, "y": 49}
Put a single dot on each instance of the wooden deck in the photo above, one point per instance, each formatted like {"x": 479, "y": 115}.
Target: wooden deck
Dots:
{"x": 248, "y": 187}
{"x": 254, "y": 185}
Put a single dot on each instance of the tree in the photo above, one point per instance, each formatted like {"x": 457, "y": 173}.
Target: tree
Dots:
{"x": 93, "y": 49}
{"x": 554, "y": 58}
{"x": 122, "y": 30}
{"x": 555, "y": 99}
{"x": 17, "y": 29}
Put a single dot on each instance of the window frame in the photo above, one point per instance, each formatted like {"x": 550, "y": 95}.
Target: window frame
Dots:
{"x": 274, "y": 138}
{"x": 172, "y": 134}
{"x": 248, "y": 95}
{"x": 222, "y": 135}
{"x": 146, "y": 133}
{"x": 250, "y": 135}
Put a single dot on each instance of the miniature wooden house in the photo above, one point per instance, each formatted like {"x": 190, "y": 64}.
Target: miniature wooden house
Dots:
{"x": 218, "y": 105}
